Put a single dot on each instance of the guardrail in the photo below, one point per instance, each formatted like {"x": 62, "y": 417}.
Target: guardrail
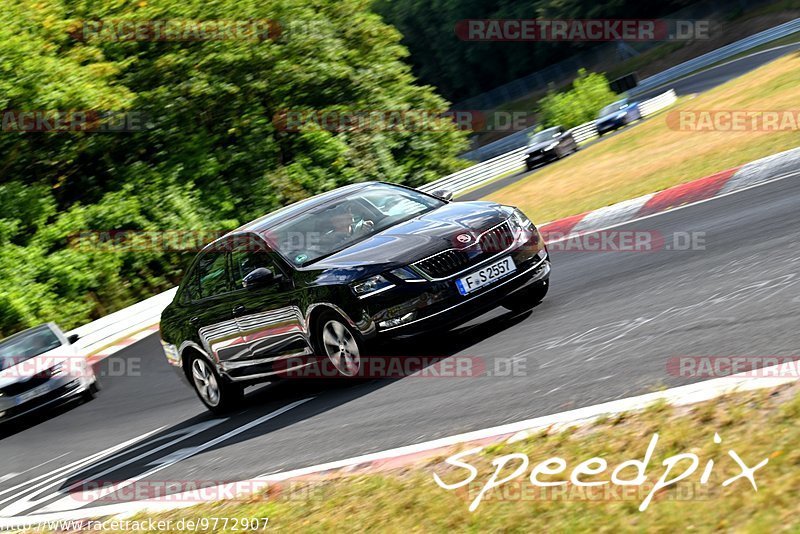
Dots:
{"x": 97, "y": 335}
{"x": 515, "y": 160}
{"x": 477, "y": 174}
{"x": 584, "y": 132}
{"x": 715, "y": 56}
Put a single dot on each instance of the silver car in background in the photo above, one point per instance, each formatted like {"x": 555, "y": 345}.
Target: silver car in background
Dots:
{"x": 40, "y": 367}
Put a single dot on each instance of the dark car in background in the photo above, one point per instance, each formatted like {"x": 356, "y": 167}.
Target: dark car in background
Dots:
{"x": 549, "y": 145}
{"x": 40, "y": 367}
{"x": 616, "y": 115}
{"x": 321, "y": 279}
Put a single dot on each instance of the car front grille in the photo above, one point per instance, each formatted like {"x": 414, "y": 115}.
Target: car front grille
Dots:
{"x": 444, "y": 264}
{"x": 41, "y": 400}
{"x": 16, "y": 388}
{"x": 453, "y": 261}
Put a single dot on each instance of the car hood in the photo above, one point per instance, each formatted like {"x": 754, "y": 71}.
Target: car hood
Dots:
{"x": 24, "y": 370}
{"x": 416, "y": 238}
{"x": 610, "y": 118}
{"x": 540, "y": 146}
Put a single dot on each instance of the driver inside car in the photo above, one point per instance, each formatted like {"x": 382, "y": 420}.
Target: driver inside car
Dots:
{"x": 344, "y": 226}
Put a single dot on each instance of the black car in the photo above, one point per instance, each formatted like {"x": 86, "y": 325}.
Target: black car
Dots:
{"x": 549, "y": 145}
{"x": 323, "y": 278}
{"x": 617, "y": 115}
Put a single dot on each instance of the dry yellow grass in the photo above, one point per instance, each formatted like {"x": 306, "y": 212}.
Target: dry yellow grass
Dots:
{"x": 652, "y": 156}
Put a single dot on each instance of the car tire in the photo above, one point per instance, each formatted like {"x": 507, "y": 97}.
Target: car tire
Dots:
{"x": 219, "y": 395}
{"x": 339, "y": 344}
{"x": 90, "y": 393}
{"x": 527, "y": 299}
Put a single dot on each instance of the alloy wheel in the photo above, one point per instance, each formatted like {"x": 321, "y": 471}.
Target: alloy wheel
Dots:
{"x": 205, "y": 382}
{"x": 341, "y": 348}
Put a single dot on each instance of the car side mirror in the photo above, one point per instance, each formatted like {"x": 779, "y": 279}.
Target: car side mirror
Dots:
{"x": 73, "y": 338}
{"x": 445, "y": 195}
{"x": 259, "y": 278}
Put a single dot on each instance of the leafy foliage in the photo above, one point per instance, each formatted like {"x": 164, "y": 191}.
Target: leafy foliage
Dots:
{"x": 210, "y": 157}
{"x": 590, "y": 92}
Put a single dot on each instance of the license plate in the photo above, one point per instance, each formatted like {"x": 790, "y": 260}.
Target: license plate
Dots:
{"x": 33, "y": 393}
{"x": 485, "y": 276}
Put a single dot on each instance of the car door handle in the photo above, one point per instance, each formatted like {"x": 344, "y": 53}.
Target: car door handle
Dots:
{"x": 239, "y": 310}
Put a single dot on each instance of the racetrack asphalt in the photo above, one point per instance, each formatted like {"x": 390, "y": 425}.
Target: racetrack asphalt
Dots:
{"x": 606, "y": 331}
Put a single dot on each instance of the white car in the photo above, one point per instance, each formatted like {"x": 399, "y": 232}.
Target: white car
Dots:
{"x": 40, "y": 367}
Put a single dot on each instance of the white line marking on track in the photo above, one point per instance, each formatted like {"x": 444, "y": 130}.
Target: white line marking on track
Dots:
{"x": 13, "y": 475}
{"x": 69, "y": 502}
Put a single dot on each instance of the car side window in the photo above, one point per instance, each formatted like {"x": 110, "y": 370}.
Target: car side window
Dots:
{"x": 212, "y": 271}
{"x": 247, "y": 258}
{"x": 191, "y": 290}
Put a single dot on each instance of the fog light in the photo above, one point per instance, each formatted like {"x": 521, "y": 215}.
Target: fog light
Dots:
{"x": 397, "y": 321}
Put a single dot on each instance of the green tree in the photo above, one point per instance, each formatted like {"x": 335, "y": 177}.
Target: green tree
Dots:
{"x": 211, "y": 156}
{"x": 590, "y": 92}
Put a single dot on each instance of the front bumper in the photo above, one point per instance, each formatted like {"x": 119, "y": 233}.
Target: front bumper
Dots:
{"x": 51, "y": 392}
{"x": 419, "y": 307}
{"x": 540, "y": 156}
{"x": 611, "y": 124}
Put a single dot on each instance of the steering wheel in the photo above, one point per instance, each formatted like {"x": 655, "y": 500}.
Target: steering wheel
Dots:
{"x": 362, "y": 226}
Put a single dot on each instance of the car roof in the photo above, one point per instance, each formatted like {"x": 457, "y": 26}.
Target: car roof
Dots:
{"x": 274, "y": 218}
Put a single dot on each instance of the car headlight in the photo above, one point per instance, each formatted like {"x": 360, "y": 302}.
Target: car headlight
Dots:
{"x": 520, "y": 220}
{"x": 57, "y": 370}
{"x": 552, "y": 145}
{"x": 370, "y": 286}
{"x": 171, "y": 352}
{"x": 407, "y": 275}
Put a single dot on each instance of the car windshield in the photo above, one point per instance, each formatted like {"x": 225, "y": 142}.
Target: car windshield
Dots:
{"x": 330, "y": 228}
{"x": 545, "y": 135}
{"x": 613, "y": 108}
{"x": 27, "y": 344}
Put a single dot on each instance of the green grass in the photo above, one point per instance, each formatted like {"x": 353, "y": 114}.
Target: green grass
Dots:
{"x": 756, "y": 425}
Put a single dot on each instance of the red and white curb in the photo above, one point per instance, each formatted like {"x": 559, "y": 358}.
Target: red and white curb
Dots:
{"x": 97, "y": 356}
{"x": 722, "y": 183}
